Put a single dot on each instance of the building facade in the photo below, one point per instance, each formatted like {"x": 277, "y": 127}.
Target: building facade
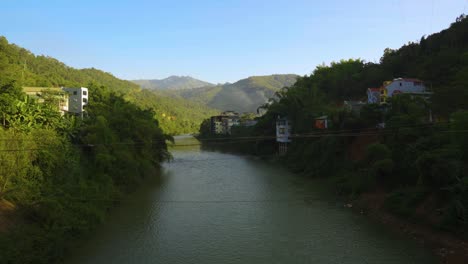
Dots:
{"x": 373, "y": 95}
{"x": 395, "y": 87}
{"x": 68, "y": 100}
{"x": 53, "y": 95}
{"x": 283, "y": 130}
{"x": 405, "y": 85}
{"x": 77, "y": 99}
{"x": 222, "y": 124}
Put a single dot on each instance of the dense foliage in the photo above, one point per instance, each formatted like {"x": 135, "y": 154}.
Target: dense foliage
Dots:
{"x": 420, "y": 163}
{"x": 62, "y": 173}
{"x": 176, "y": 115}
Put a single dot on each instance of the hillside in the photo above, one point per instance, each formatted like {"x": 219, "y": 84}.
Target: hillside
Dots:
{"x": 416, "y": 165}
{"x": 26, "y": 69}
{"x": 175, "y": 115}
{"x": 172, "y": 83}
{"x": 245, "y": 95}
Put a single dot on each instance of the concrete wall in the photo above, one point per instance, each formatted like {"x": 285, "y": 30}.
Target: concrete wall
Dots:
{"x": 77, "y": 99}
{"x": 405, "y": 86}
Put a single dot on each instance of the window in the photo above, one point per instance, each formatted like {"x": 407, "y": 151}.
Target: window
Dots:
{"x": 400, "y": 84}
{"x": 281, "y": 130}
{"x": 85, "y": 100}
{"x": 75, "y": 92}
{"x": 85, "y": 93}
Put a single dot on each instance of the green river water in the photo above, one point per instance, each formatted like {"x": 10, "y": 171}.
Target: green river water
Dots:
{"x": 212, "y": 207}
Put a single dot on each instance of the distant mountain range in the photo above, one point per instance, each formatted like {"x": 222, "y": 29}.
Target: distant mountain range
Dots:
{"x": 172, "y": 83}
{"x": 245, "y": 95}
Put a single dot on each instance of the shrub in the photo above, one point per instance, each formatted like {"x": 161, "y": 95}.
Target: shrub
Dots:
{"x": 377, "y": 152}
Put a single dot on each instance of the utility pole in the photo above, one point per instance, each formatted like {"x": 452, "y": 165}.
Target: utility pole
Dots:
{"x": 22, "y": 73}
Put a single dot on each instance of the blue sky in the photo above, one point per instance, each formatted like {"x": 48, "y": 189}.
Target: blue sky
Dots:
{"x": 218, "y": 40}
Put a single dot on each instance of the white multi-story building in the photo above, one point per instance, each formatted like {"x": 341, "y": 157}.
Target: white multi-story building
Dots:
{"x": 404, "y": 85}
{"x": 77, "y": 99}
{"x": 414, "y": 87}
{"x": 283, "y": 130}
{"x": 223, "y": 123}
{"x": 68, "y": 100}
{"x": 229, "y": 122}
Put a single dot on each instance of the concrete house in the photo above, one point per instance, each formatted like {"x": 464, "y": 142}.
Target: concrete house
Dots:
{"x": 216, "y": 125}
{"x": 410, "y": 86}
{"x": 222, "y": 124}
{"x": 229, "y": 122}
{"x": 68, "y": 100}
{"x": 404, "y": 85}
{"x": 283, "y": 130}
{"x": 373, "y": 95}
{"x": 283, "y": 134}
{"x": 397, "y": 86}
{"x": 77, "y": 99}
{"x": 54, "y": 94}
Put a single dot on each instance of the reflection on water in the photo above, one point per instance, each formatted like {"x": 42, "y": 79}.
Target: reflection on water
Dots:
{"x": 214, "y": 207}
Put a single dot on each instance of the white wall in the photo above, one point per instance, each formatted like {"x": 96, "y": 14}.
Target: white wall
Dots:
{"x": 77, "y": 99}
{"x": 283, "y": 130}
{"x": 404, "y": 87}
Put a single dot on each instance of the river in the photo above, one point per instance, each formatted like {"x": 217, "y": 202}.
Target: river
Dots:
{"x": 211, "y": 207}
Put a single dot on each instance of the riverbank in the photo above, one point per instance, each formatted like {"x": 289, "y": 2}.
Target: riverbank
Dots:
{"x": 446, "y": 246}
{"x": 449, "y": 248}
{"x": 422, "y": 226}
{"x": 25, "y": 238}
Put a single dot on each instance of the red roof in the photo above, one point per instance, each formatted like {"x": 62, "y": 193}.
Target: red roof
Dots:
{"x": 374, "y": 89}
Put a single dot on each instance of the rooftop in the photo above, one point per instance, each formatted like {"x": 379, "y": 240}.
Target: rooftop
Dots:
{"x": 407, "y": 79}
{"x": 40, "y": 89}
{"x": 374, "y": 89}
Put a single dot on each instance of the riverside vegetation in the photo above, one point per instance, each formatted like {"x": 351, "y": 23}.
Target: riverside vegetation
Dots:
{"x": 420, "y": 167}
{"x": 59, "y": 175}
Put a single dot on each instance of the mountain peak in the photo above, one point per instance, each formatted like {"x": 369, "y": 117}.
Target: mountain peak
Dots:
{"x": 173, "y": 82}
{"x": 245, "y": 95}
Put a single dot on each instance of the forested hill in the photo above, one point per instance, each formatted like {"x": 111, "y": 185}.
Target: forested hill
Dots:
{"x": 26, "y": 69}
{"x": 412, "y": 150}
{"x": 60, "y": 174}
{"x": 245, "y": 95}
{"x": 172, "y": 83}
{"x": 440, "y": 60}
